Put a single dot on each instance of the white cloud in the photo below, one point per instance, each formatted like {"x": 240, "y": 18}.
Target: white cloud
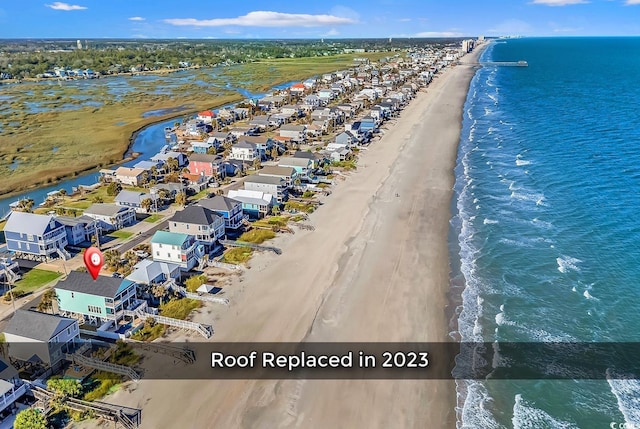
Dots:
{"x": 560, "y": 2}
{"x": 632, "y": 2}
{"x": 331, "y": 33}
{"x": 438, "y": 34}
{"x": 64, "y": 6}
{"x": 404, "y": 19}
{"x": 266, "y": 19}
{"x": 136, "y": 18}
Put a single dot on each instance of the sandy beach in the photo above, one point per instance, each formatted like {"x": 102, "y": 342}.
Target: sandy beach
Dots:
{"x": 376, "y": 268}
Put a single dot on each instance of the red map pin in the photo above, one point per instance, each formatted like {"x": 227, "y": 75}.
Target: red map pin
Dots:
{"x": 93, "y": 260}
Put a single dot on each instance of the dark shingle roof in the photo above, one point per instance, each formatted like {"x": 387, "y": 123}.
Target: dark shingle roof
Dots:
{"x": 219, "y": 203}
{"x": 195, "y": 214}
{"x": 104, "y": 286}
{"x": 36, "y": 325}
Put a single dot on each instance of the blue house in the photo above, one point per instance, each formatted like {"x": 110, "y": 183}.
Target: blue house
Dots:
{"x": 228, "y": 208}
{"x": 201, "y": 147}
{"x": 79, "y": 229}
{"x": 134, "y": 199}
{"x": 37, "y": 235}
{"x": 367, "y": 124}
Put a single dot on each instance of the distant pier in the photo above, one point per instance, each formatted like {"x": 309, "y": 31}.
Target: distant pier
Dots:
{"x": 505, "y": 63}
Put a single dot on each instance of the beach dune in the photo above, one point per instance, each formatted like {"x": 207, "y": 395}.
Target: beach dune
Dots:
{"x": 375, "y": 269}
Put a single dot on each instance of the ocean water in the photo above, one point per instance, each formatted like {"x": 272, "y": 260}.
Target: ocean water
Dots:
{"x": 547, "y": 228}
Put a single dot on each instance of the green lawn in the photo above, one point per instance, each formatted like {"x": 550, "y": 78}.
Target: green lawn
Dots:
{"x": 136, "y": 189}
{"x": 121, "y": 234}
{"x": 34, "y": 280}
{"x": 201, "y": 194}
{"x": 153, "y": 218}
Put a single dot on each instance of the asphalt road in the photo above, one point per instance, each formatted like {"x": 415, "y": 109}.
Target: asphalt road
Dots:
{"x": 142, "y": 237}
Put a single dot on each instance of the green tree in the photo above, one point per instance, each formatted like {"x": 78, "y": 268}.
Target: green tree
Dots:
{"x": 113, "y": 189}
{"x": 98, "y": 199}
{"x": 173, "y": 164}
{"x": 47, "y": 300}
{"x": 275, "y": 210}
{"x": 65, "y": 387}
{"x": 146, "y": 204}
{"x": 256, "y": 164}
{"x": 181, "y": 198}
{"x": 112, "y": 258}
{"x": 63, "y": 192}
{"x": 30, "y": 418}
{"x": 274, "y": 152}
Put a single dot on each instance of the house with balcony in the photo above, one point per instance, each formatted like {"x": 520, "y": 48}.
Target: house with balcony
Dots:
{"x": 262, "y": 144}
{"x": 100, "y": 303}
{"x": 80, "y": 229}
{"x": 12, "y": 387}
{"x": 302, "y": 166}
{"x": 149, "y": 272}
{"x": 202, "y": 147}
{"x": 289, "y": 174}
{"x": 228, "y": 208}
{"x": 255, "y": 204}
{"x": 40, "y": 338}
{"x": 129, "y": 176}
{"x": 34, "y": 235}
{"x": 206, "y": 165}
{"x": 294, "y": 132}
{"x": 134, "y": 200}
{"x": 275, "y": 186}
{"x": 205, "y": 225}
{"x": 245, "y": 151}
{"x": 176, "y": 248}
{"x": 111, "y": 217}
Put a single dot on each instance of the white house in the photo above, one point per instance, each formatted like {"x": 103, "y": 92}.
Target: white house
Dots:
{"x": 111, "y": 216}
{"x": 176, "y": 248}
{"x": 244, "y": 151}
{"x": 294, "y": 132}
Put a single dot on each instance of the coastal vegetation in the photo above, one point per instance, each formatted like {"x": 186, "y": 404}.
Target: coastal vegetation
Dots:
{"x": 237, "y": 255}
{"x": 257, "y": 236}
{"x": 50, "y": 131}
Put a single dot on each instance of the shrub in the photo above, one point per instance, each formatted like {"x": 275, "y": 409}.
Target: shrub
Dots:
{"x": 194, "y": 282}
{"x": 179, "y": 308}
{"x": 238, "y": 255}
{"x": 257, "y": 236}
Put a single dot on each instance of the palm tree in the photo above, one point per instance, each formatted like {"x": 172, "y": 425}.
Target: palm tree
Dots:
{"x": 173, "y": 164}
{"x": 146, "y": 204}
{"x": 63, "y": 192}
{"x": 47, "y": 300}
{"x": 181, "y": 198}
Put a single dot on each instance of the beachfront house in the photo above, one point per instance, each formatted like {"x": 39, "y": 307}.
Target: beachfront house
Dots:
{"x": 80, "y": 230}
{"x": 255, "y": 204}
{"x": 206, "y": 165}
{"x": 149, "y": 272}
{"x": 135, "y": 200}
{"x": 302, "y": 166}
{"x": 111, "y": 216}
{"x": 289, "y": 174}
{"x": 36, "y": 236}
{"x": 176, "y": 248}
{"x": 307, "y": 155}
{"x": 275, "y": 186}
{"x": 40, "y": 338}
{"x": 205, "y": 225}
{"x": 228, "y": 208}
{"x": 347, "y": 139}
{"x": 295, "y": 132}
{"x": 129, "y": 176}
{"x": 95, "y": 301}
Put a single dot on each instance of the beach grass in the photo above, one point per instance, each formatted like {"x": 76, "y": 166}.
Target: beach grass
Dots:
{"x": 179, "y": 308}
{"x": 121, "y": 234}
{"x": 257, "y": 236}
{"x": 298, "y": 206}
{"x": 237, "y": 255}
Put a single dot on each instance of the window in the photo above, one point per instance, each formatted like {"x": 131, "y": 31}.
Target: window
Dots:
{"x": 175, "y": 224}
{"x": 157, "y": 253}
{"x": 30, "y": 237}
{"x": 94, "y": 309}
{"x": 72, "y": 295}
{"x": 169, "y": 255}
{"x": 68, "y": 331}
{"x": 187, "y": 226}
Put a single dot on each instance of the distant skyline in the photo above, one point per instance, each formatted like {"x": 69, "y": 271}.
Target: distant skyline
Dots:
{"x": 142, "y": 19}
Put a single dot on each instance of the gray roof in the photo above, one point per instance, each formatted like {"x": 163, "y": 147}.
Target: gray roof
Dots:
{"x": 218, "y": 203}
{"x": 305, "y": 155}
{"x": 203, "y": 157}
{"x": 291, "y": 127}
{"x": 132, "y": 197}
{"x": 104, "y": 286}
{"x": 29, "y": 223}
{"x": 72, "y": 221}
{"x": 36, "y": 325}
{"x": 195, "y": 214}
{"x": 147, "y": 270}
{"x": 293, "y": 162}
{"x": 271, "y": 180}
{"x": 103, "y": 209}
{"x": 271, "y": 170}
{"x": 243, "y": 144}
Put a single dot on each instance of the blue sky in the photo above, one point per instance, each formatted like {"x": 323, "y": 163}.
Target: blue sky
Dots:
{"x": 315, "y": 19}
